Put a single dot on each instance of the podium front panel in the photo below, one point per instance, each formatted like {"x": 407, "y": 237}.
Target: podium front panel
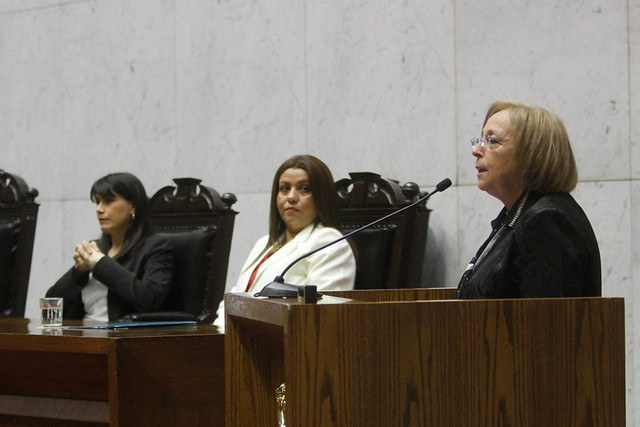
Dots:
{"x": 527, "y": 362}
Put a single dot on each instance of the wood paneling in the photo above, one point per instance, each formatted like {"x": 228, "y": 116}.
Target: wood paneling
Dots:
{"x": 170, "y": 376}
{"x": 528, "y": 362}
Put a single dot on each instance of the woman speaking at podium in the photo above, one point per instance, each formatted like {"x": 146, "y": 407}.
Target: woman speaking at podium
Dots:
{"x": 129, "y": 269}
{"x": 541, "y": 243}
{"x": 303, "y": 217}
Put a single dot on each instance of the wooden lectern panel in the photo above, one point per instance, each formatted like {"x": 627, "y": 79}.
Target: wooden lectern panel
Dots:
{"x": 527, "y": 362}
{"x": 387, "y": 295}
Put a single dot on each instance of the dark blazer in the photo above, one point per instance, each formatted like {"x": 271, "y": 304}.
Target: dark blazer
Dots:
{"x": 547, "y": 250}
{"x": 136, "y": 282}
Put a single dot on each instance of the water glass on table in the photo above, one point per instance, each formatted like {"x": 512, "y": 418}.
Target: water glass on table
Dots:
{"x": 51, "y": 309}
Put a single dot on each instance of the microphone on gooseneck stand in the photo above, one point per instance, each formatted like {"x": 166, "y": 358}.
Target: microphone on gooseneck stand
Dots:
{"x": 279, "y": 289}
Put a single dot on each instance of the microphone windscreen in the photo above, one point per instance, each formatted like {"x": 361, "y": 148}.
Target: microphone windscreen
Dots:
{"x": 444, "y": 184}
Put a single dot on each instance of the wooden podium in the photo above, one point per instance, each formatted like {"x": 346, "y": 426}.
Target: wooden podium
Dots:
{"x": 411, "y": 358}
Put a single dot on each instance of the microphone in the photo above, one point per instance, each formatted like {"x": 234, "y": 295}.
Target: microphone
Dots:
{"x": 279, "y": 289}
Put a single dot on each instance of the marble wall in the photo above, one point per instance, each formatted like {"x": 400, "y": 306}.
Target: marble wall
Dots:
{"x": 226, "y": 90}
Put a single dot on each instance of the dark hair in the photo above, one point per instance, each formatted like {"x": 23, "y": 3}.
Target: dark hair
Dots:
{"x": 323, "y": 189}
{"x": 130, "y": 188}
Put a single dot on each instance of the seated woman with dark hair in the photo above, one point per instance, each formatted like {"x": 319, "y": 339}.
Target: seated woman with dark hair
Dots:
{"x": 129, "y": 269}
{"x": 303, "y": 217}
{"x": 541, "y": 244}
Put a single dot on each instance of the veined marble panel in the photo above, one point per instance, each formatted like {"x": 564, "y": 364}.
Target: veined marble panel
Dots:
{"x": 241, "y": 90}
{"x": 441, "y": 256}
{"x": 252, "y": 222}
{"x": 30, "y": 107}
{"x": 19, "y": 6}
{"x": 381, "y": 87}
{"x": 608, "y": 207}
{"x": 118, "y": 84}
{"x": 569, "y": 57}
{"x": 634, "y": 91}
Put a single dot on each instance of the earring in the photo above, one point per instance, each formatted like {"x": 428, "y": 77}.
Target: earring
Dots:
{"x": 133, "y": 216}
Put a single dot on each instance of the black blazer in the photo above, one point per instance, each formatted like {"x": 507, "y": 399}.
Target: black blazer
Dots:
{"x": 136, "y": 282}
{"x": 549, "y": 250}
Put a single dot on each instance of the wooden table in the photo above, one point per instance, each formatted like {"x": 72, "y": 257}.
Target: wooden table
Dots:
{"x": 171, "y": 375}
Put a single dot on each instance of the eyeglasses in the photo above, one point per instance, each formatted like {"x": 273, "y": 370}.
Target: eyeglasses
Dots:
{"x": 488, "y": 142}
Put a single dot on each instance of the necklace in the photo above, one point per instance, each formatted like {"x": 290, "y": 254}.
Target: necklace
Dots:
{"x": 519, "y": 209}
{"x": 476, "y": 259}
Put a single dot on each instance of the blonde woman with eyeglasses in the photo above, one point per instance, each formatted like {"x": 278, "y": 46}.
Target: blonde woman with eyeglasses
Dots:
{"x": 541, "y": 244}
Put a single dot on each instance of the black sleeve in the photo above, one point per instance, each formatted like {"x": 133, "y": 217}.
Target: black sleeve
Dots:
{"x": 550, "y": 257}
{"x": 143, "y": 281}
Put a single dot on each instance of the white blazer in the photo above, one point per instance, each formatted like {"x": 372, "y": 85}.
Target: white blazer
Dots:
{"x": 333, "y": 268}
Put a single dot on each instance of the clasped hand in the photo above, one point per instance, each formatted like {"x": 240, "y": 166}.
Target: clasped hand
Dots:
{"x": 86, "y": 256}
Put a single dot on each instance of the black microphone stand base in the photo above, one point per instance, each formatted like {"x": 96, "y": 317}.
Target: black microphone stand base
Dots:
{"x": 279, "y": 289}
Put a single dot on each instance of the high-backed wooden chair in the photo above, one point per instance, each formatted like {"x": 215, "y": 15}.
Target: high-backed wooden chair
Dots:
{"x": 18, "y": 215}
{"x": 391, "y": 253}
{"x": 199, "y": 224}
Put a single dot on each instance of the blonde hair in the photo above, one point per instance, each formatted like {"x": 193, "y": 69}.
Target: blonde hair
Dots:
{"x": 542, "y": 147}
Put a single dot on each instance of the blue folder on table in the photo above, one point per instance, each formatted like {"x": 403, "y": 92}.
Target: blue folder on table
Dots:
{"x": 119, "y": 325}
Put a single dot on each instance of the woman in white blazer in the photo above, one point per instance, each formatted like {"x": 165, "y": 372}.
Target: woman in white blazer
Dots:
{"x": 303, "y": 217}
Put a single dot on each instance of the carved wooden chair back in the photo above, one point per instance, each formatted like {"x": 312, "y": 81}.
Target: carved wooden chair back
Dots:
{"x": 391, "y": 253}
{"x": 18, "y": 216}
